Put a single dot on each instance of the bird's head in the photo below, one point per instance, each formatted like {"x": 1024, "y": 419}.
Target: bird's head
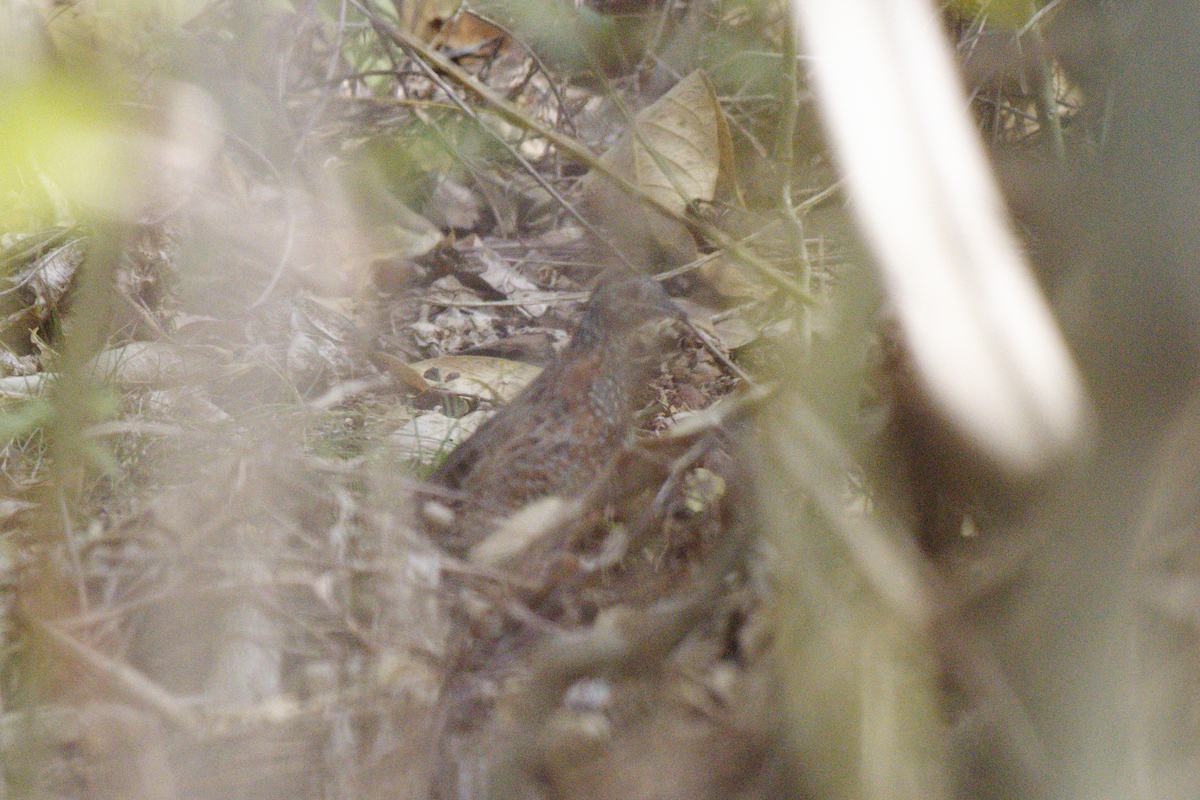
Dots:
{"x": 620, "y": 303}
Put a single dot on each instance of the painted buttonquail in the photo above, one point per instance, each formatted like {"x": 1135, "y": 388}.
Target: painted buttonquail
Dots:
{"x": 562, "y": 430}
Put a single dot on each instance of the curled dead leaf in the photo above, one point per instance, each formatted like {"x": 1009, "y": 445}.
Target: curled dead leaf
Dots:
{"x": 677, "y": 151}
{"x": 401, "y": 371}
{"x": 479, "y": 376}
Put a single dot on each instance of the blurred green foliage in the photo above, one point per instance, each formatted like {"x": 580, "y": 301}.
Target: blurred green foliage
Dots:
{"x": 1000, "y": 12}
{"x": 58, "y": 147}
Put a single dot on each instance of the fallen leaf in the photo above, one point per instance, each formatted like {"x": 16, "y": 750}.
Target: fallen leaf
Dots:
{"x": 500, "y": 275}
{"x": 401, "y": 371}
{"x": 734, "y": 332}
{"x": 733, "y": 280}
{"x": 494, "y": 379}
{"x": 675, "y": 151}
{"x": 425, "y": 439}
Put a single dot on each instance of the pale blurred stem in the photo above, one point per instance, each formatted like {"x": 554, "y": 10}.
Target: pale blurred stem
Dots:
{"x": 786, "y": 154}
{"x": 785, "y": 146}
{"x": 660, "y": 33}
{"x": 73, "y": 553}
{"x": 1044, "y": 101}
{"x": 75, "y": 392}
{"x": 74, "y": 399}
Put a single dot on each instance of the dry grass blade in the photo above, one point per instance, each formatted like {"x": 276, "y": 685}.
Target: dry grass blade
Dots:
{"x": 127, "y": 682}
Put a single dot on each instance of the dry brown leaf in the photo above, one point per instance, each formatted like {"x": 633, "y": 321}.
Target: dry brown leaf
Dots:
{"x": 480, "y": 376}
{"x": 677, "y": 153}
{"x": 732, "y": 330}
{"x": 465, "y": 31}
{"x": 401, "y": 371}
{"x": 733, "y": 280}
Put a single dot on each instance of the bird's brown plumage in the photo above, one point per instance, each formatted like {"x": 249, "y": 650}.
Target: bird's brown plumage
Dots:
{"x": 561, "y": 431}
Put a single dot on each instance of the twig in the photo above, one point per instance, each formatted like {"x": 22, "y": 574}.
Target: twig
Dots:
{"x": 512, "y": 151}
{"x": 514, "y": 114}
{"x": 122, "y": 678}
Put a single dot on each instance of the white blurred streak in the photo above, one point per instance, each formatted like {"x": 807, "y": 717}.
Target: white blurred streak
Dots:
{"x": 23, "y": 40}
{"x": 164, "y": 168}
{"x": 980, "y": 332}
